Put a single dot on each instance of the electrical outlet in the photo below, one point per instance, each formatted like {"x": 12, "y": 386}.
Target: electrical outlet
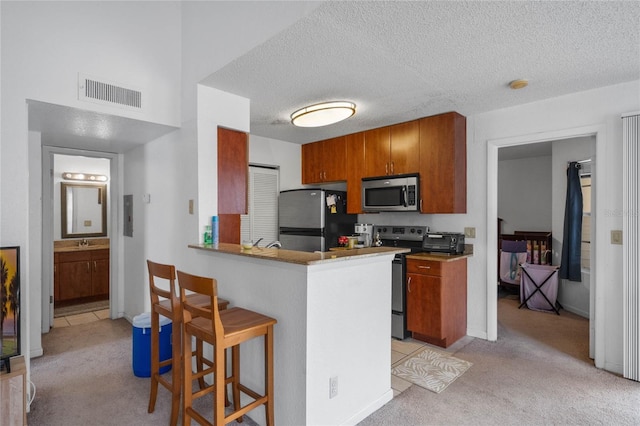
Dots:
{"x": 616, "y": 237}
{"x": 333, "y": 387}
{"x": 470, "y": 232}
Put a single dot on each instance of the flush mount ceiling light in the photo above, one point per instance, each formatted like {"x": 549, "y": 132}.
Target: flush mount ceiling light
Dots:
{"x": 88, "y": 177}
{"x": 519, "y": 84}
{"x": 323, "y": 114}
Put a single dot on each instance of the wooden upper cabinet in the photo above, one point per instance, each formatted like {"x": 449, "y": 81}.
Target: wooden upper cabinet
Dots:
{"x": 392, "y": 150}
{"x": 324, "y": 161}
{"x": 312, "y": 162}
{"x": 334, "y": 156}
{"x": 443, "y": 163}
{"x": 233, "y": 168}
{"x": 405, "y": 148}
{"x": 355, "y": 171}
{"x": 377, "y": 150}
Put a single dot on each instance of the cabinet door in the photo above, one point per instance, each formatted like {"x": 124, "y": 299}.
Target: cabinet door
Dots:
{"x": 424, "y": 312}
{"x": 56, "y": 278}
{"x": 443, "y": 163}
{"x": 377, "y": 147}
{"x": 75, "y": 279}
{"x": 355, "y": 171}
{"x": 334, "y": 159}
{"x": 100, "y": 273}
{"x": 405, "y": 148}
{"x": 312, "y": 163}
{"x": 233, "y": 168}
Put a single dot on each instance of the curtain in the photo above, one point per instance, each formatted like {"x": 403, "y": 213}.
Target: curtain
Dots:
{"x": 572, "y": 234}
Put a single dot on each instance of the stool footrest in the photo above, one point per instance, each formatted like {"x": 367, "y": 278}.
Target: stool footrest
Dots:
{"x": 241, "y": 411}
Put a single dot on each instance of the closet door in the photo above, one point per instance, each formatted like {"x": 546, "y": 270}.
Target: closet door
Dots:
{"x": 261, "y": 221}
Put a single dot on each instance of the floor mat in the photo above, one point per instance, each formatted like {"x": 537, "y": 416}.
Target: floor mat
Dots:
{"x": 431, "y": 369}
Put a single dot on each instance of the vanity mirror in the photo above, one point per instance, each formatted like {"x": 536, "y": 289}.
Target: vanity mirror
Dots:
{"x": 83, "y": 210}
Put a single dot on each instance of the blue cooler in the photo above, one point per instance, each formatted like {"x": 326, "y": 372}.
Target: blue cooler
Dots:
{"x": 142, "y": 344}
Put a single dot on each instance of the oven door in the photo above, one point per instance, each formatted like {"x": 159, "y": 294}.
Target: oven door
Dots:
{"x": 398, "y": 297}
{"x": 397, "y": 284}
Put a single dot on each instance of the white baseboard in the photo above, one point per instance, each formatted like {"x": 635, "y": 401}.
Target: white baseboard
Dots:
{"x": 370, "y": 409}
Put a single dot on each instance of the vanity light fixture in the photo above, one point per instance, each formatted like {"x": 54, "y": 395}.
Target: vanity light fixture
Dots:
{"x": 323, "y": 114}
{"x": 88, "y": 177}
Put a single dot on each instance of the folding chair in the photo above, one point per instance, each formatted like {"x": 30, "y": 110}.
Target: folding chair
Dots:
{"x": 539, "y": 288}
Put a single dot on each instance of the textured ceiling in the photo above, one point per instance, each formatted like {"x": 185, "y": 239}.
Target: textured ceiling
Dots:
{"x": 403, "y": 60}
{"x": 398, "y": 61}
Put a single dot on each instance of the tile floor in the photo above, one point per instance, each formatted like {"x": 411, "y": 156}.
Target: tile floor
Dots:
{"x": 80, "y": 318}
{"x": 403, "y": 349}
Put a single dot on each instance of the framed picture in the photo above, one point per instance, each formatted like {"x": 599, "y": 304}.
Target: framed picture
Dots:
{"x": 9, "y": 304}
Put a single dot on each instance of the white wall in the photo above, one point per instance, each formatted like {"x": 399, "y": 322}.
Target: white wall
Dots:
{"x": 524, "y": 194}
{"x": 44, "y": 47}
{"x": 572, "y": 115}
{"x": 272, "y": 152}
{"x": 574, "y": 296}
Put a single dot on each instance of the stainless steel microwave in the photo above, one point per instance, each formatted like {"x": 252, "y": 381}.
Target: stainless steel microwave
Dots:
{"x": 391, "y": 193}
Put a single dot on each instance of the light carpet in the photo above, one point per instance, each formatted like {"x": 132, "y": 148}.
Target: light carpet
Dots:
{"x": 431, "y": 369}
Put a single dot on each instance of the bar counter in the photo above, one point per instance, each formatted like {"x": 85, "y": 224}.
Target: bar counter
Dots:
{"x": 299, "y": 257}
{"x": 334, "y": 321}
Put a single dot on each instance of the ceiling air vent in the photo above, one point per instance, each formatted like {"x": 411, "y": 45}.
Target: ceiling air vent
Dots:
{"x": 108, "y": 93}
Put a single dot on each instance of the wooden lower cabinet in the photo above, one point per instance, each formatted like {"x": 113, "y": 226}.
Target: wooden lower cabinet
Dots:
{"x": 81, "y": 275}
{"x": 437, "y": 300}
{"x": 100, "y": 273}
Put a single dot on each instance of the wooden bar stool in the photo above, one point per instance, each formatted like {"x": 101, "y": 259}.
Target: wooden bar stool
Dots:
{"x": 170, "y": 307}
{"x": 223, "y": 329}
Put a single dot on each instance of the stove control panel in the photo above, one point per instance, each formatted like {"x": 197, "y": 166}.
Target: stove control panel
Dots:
{"x": 404, "y": 233}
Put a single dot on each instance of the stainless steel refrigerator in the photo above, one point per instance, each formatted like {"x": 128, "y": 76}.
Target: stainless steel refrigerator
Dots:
{"x": 313, "y": 219}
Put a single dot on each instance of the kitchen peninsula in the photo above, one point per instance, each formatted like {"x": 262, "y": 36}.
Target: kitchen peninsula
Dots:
{"x": 333, "y": 324}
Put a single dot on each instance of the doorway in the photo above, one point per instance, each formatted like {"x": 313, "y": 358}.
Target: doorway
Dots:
{"x": 531, "y": 199}
{"x": 55, "y": 161}
{"x": 597, "y": 132}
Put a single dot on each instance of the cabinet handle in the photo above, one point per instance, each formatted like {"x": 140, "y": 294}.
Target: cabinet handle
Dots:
{"x": 95, "y": 268}
{"x": 424, "y": 267}
{"x": 320, "y": 177}
{"x": 421, "y": 204}
{"x": 409, "y": 284}
{"x": 386, "y": 168}
{"x": 392, "y": 167}
{"x": 88, "y": 267}
{"x": 324, "y": 177}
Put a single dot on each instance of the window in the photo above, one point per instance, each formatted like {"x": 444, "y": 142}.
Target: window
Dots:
{"x": 262, "y": 218}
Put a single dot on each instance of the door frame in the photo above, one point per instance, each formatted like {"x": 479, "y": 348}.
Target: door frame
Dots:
{"x": 596, "y": 341}
{"x": 48, "y": 153}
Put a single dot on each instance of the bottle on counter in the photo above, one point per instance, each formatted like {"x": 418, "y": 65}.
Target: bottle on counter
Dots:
{"x": 208, "y": 236}
{"x": 377, "y": 242}
{"x": 214, "y": 230}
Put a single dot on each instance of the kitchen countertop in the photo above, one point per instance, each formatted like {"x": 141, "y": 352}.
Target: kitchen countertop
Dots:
{"x": 299, "y": 257}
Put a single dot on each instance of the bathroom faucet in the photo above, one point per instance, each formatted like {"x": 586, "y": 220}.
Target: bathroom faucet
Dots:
{"x": 83, "y": 243}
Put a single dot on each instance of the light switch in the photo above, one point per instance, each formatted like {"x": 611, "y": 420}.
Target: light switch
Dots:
{"x": 146, "y": 198}
{"x": 470, "y": 232}
{"x": 616, "y": 237}
{"x": 190, "y": 206}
